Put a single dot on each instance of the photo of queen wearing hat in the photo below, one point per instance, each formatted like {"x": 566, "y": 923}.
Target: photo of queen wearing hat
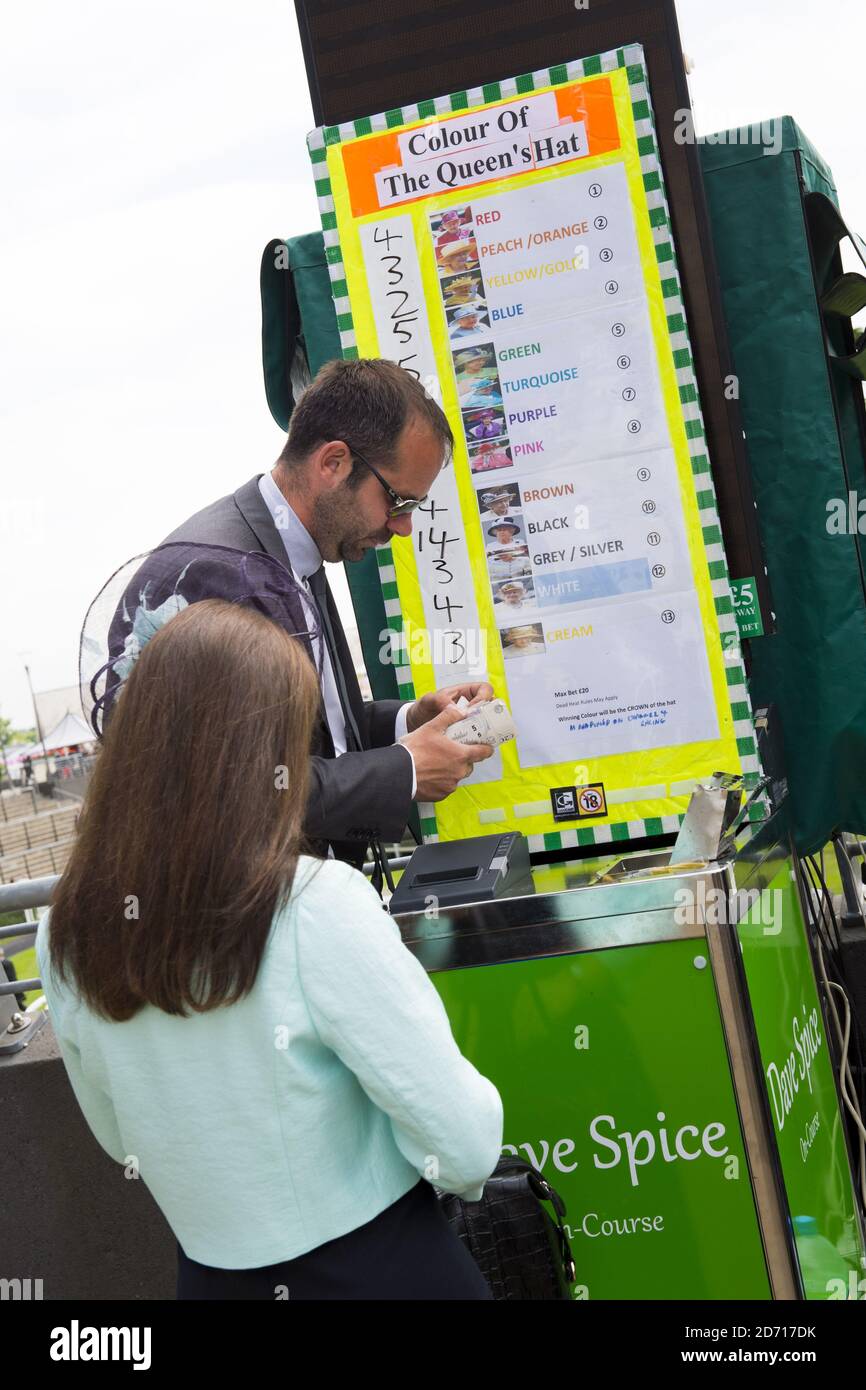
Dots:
{"x": 507, "y": 552}
{"x": 514, "y": 594}
{"x": 463, "y": 289}
{"x": 488, "y": 455}
{"x": 475, "y": 367}
{"x": 454, "y": 241}
{"x": 504, "y": 532}
{"x": 527, "y": 640}
{"x": 486, "y": 423}
{"x": 467, "y": 320}
{"x": 502, "y": 501}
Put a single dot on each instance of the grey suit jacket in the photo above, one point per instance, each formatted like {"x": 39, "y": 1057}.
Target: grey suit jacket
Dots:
{"x": 358, "y": 795}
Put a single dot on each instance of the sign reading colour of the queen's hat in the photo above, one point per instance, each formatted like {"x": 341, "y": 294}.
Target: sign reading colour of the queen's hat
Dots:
{"x": 546, "y": 191}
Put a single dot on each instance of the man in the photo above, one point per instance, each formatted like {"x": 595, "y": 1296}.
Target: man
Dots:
{"x": 365, "y": 446}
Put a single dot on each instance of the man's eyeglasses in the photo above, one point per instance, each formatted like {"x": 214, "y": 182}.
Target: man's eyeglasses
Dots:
{"x": 402, "y": 506}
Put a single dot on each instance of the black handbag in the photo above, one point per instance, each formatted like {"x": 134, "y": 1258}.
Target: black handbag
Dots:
{"x": 520, "y": 1249}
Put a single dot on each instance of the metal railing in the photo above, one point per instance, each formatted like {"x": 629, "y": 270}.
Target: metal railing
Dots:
{"x": 36, "y": 892}
{"x": 73, "y": 763}
{"x": 19, "y": 1027}
{"x": 15, "y": 897}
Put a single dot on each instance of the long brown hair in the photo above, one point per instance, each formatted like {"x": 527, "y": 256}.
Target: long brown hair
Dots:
{"x": 193, "y": 822}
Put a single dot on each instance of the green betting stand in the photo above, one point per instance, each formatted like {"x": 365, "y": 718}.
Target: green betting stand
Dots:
{"x": 657, "y": 1030}
{"x": 658, "y": 1039}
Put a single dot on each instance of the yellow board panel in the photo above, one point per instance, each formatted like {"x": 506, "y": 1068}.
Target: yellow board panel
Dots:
{"x": 656, "y": 772}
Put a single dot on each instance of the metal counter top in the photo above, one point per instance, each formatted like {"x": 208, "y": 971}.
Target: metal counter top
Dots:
{"x": 587, "y": 905}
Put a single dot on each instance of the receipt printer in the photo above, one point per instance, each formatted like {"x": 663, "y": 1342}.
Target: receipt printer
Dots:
{"x": 452, "y": 872}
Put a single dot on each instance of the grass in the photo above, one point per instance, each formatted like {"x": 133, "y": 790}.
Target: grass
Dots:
{"x": 26, "y": 965}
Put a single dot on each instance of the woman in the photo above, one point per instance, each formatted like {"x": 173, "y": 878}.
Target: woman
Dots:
{"x": 486, "y": 424}
{"x": 489, "y": 456}
{"x": 241, "y": 1023}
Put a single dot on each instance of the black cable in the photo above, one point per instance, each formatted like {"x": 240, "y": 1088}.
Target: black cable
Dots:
{"x": 817, "y": 912}
{"x": 835, "y": 969}
{"x": 827, "y": 915}
{"x": 828, "y": 898}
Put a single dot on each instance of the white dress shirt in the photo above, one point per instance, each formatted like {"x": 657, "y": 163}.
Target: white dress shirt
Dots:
{"x": 304, "y": 559}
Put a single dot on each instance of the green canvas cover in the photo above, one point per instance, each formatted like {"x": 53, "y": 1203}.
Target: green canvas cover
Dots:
{"x": 297, "y": 315}
{"x": 776, "y": 235}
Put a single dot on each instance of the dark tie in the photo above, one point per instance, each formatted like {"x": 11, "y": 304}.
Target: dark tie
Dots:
{"x": 318, "y": 588}
{"x": 319, "y": 591}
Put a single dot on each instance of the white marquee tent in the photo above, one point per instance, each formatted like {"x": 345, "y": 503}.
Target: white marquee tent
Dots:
{"x": 71, "y": 730}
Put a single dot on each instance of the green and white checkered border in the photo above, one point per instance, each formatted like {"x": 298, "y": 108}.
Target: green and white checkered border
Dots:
{"x": 632, "y": 59}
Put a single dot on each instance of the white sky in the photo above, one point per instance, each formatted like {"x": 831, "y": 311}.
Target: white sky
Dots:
{"x": 148, "y": 151}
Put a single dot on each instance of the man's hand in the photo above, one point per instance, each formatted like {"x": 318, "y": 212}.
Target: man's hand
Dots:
{"x": 440, "y": 762}
{"x": 429, "y": 706}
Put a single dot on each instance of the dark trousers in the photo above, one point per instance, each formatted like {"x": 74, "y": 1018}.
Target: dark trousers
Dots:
{"x": 408, "y": 1251}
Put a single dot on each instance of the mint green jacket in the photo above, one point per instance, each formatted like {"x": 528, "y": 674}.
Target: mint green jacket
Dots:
{"x": 268, "y": 1127}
